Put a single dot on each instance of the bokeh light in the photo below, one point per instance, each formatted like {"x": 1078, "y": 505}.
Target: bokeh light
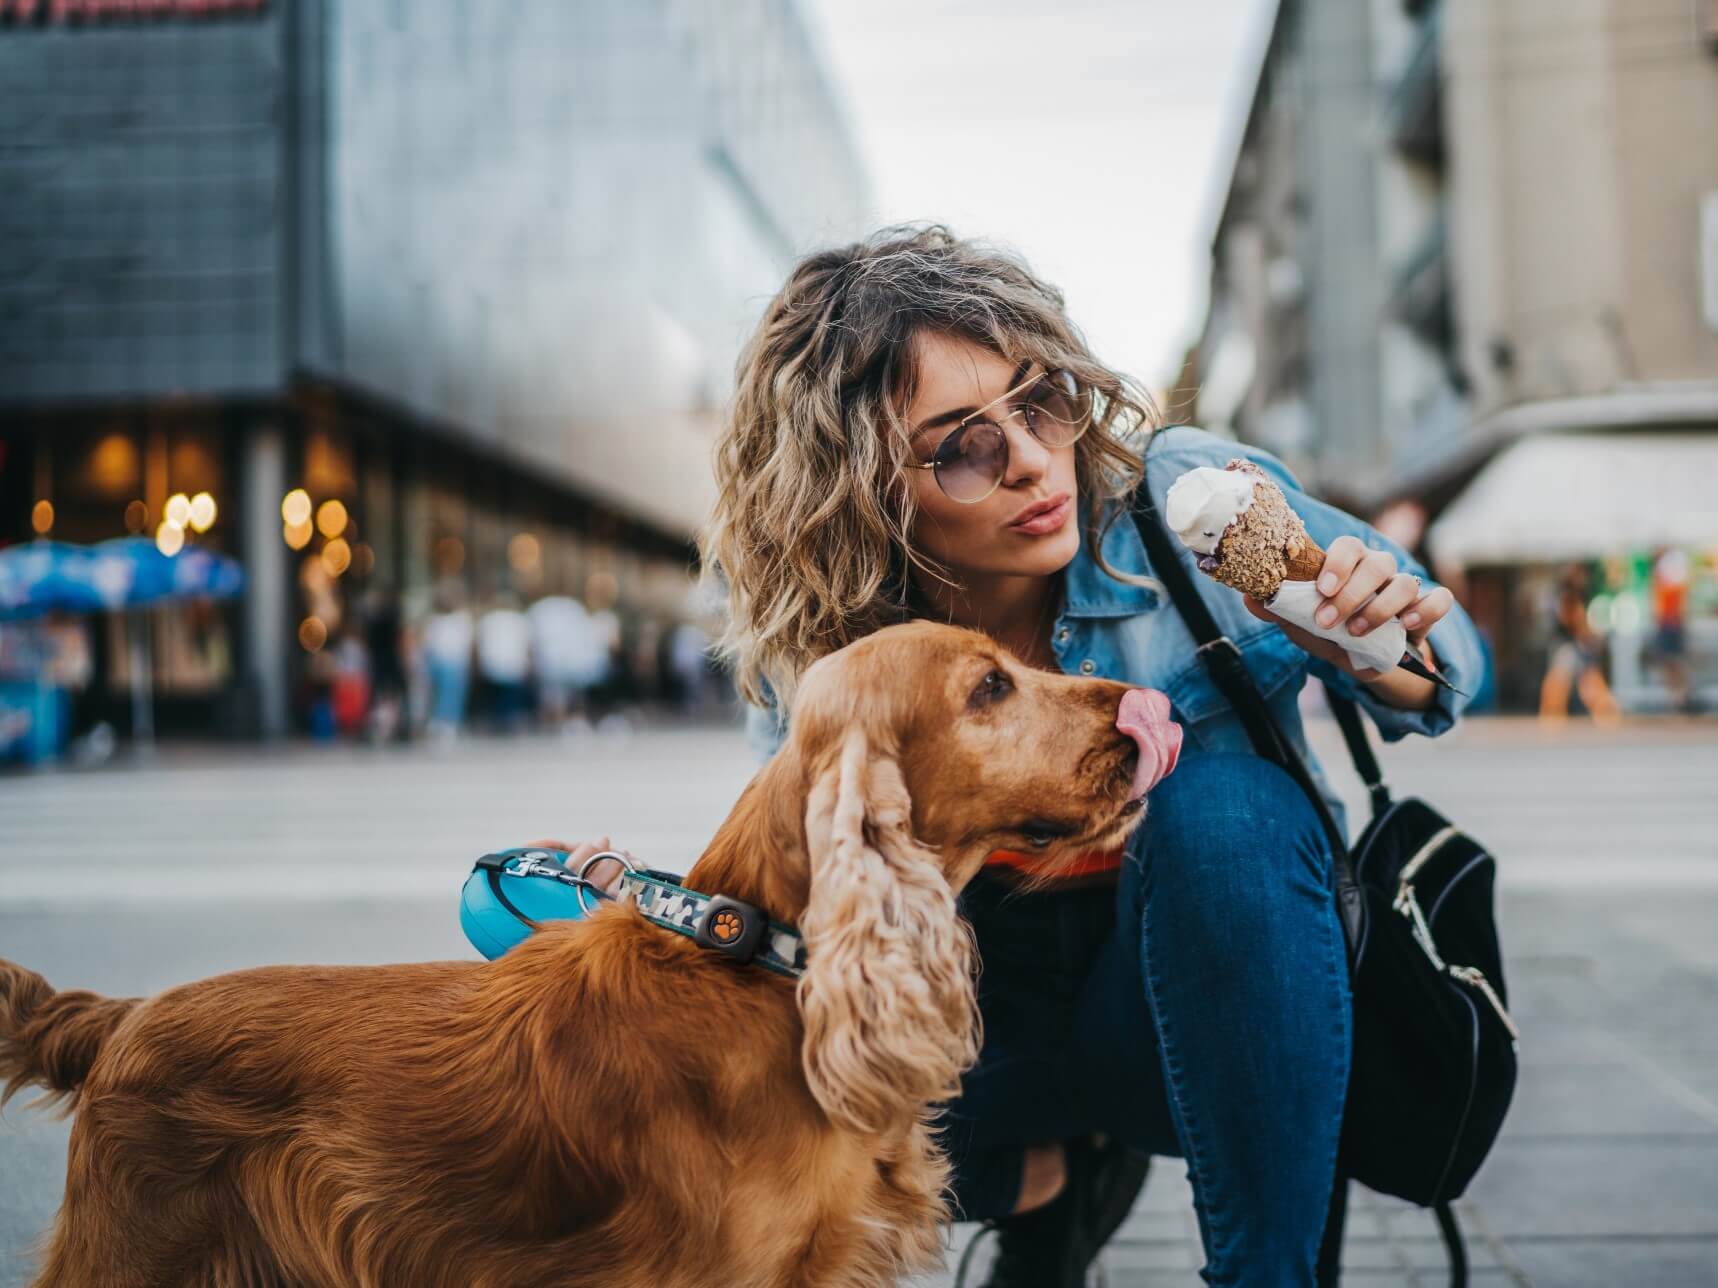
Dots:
{"x": 1599, "y": 614}
{"x": 136, "y": 517}
{"x": 312, "y": 634}
{"x": 202, "y": 512}
{"x": 363, "y": 559}
{"x": 295, "y": 508}
{"x": 331, "y": 518}
{"x": 169, "y": 538}
{"x": 336, "y": 557}
{"x": 297, "y": 535}
{"x": 42, "y": 517}
{"x": 178, "y": 511}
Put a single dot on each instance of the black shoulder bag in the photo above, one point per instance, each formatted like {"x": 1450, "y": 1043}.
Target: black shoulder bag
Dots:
{"x": 1433, "y": 1065}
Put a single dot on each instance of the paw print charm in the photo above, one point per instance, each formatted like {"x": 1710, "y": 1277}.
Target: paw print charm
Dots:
{"x": 731, "y": 927}
{"x": 726, "y": 926}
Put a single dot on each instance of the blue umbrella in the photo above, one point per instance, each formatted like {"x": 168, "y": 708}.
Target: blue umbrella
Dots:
{"x": 129, "y": 572}
{"x": 195, "y": 572}
{"x": 43, "y": 577}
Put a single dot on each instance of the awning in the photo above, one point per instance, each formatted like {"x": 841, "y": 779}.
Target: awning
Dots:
{"x": 1556, "y": 497}
{"x": 123, "y": 10}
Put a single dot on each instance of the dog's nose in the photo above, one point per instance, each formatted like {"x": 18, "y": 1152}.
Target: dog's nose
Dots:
{"x": 1144, "y": 716}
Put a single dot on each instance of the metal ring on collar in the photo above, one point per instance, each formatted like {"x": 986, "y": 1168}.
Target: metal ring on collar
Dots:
{"x": 585, "y": 883}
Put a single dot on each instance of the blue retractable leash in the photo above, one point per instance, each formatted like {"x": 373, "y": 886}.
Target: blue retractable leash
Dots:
{"x": 496, "y": 913}
{"x": 511, "y": 891}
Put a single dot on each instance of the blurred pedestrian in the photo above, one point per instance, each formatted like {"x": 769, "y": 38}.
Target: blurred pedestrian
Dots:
{"x": 415, "y": 717}
{"x": 349, "y": 687}
{"x": 644, "y": 662}
{"x": 607, "y": 691}
{"x": 319, "y": 674}
{"x": 567, "y": 657}
{"x": 387, "y": 665}
{"x": 1670, "y": 581}
{"x": 689, "y": 661}
{"x": 504, "y": 662}
{"x": 447, "y": 654}
{"x": 1574, "y": 663}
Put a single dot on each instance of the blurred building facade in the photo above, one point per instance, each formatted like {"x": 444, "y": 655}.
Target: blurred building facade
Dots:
{"x": 1455, "y": 226}
{"x": 467, "y": 278}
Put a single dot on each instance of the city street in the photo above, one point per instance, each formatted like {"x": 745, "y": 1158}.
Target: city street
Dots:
{"x": 134, "y": 877}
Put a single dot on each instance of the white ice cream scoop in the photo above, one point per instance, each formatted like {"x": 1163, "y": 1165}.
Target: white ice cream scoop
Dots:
{"x": 1203, "y": 502}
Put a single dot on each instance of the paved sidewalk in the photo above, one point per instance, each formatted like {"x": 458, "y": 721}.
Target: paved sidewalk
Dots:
{"x": 127, "y": 880}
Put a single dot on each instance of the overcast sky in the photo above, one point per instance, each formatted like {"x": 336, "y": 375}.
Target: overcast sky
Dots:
{"x": 1091, "y": 135}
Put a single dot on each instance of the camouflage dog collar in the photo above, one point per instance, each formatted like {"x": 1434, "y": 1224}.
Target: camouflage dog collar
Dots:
{"x": 733, "y": 928}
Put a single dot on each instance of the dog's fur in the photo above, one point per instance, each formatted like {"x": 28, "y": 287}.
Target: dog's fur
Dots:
{"x": 609, "y": 1103}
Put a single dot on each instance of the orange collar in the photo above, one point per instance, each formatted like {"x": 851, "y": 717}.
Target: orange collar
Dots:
{"x": 1088, "y": 864}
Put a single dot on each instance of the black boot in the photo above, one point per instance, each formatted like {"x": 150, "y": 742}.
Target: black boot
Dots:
{"x": 1052, "y": 1246}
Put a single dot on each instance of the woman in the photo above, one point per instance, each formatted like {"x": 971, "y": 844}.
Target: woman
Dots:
{"x": 918, "y": 430}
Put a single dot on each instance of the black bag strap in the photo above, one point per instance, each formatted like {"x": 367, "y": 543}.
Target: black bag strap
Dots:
{"x": 1360, "y": 748}
{"x": 1222, "y": 659}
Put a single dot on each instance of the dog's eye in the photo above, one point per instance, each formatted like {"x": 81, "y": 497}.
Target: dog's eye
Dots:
{"x": 994, "y": 685}
{"x": 1041, "y": 831}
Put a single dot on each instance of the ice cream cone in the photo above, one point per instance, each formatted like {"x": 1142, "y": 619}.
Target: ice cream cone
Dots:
{"x": 1255, "y": 553}
{"x": 1240, "y": 526}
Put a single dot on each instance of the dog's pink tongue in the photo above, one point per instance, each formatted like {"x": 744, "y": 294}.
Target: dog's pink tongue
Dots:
{"x": 1144, "y": 717}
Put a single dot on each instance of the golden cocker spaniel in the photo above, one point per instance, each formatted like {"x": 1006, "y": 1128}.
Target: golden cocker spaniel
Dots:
{"x": 610, "y": 1103}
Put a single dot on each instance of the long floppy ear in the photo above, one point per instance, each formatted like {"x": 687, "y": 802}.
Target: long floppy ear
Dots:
{"x": 887, "y": 996}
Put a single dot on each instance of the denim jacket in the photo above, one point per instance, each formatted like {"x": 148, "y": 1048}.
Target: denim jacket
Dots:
{"x": 1133, "y": 633}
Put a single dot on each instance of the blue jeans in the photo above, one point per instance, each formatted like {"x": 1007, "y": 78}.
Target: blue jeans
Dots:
{"x": 1197, "y": 1007}
{"x": 449, "y": 683}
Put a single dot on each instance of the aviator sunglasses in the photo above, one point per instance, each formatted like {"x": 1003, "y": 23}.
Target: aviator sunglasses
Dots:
{"x": 970, "y": 462}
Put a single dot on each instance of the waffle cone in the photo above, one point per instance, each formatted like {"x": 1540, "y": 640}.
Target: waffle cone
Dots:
{"x": 1304, "y": 560}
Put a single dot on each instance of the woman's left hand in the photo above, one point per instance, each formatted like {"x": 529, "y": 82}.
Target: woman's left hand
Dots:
{"x": 1362, "y": 588}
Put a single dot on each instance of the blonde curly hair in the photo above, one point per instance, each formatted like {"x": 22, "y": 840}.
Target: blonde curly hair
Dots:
{"x": 809, "y": 536}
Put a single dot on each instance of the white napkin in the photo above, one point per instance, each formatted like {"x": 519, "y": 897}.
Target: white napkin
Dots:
{"x": 1380, "y": 649}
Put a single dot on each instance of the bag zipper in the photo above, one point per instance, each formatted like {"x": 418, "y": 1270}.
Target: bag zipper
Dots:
{"x": 1474, "y": 976}
{"x": 1408, "y": 904}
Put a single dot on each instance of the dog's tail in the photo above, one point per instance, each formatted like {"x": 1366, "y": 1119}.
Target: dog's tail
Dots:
{"x": 50, "y": 1039}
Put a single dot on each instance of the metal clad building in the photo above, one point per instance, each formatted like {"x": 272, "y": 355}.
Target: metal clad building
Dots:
{"x": 479, "y": 272}
{"x": 142, "y": 233}
{"x": 562, "y": 257}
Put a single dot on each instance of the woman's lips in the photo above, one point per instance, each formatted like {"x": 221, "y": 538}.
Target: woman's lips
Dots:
{"x": 1047, "y": 521}
{"x": 1144, "y": 716}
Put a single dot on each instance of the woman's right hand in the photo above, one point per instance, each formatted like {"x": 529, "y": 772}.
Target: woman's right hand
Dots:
{"x": 604, "y": 875}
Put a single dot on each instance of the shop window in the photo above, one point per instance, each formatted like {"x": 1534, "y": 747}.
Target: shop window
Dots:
{"x": 112, "y": 469}
{"x": 328, "y": 466}
{"x": 89, "y": 470}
